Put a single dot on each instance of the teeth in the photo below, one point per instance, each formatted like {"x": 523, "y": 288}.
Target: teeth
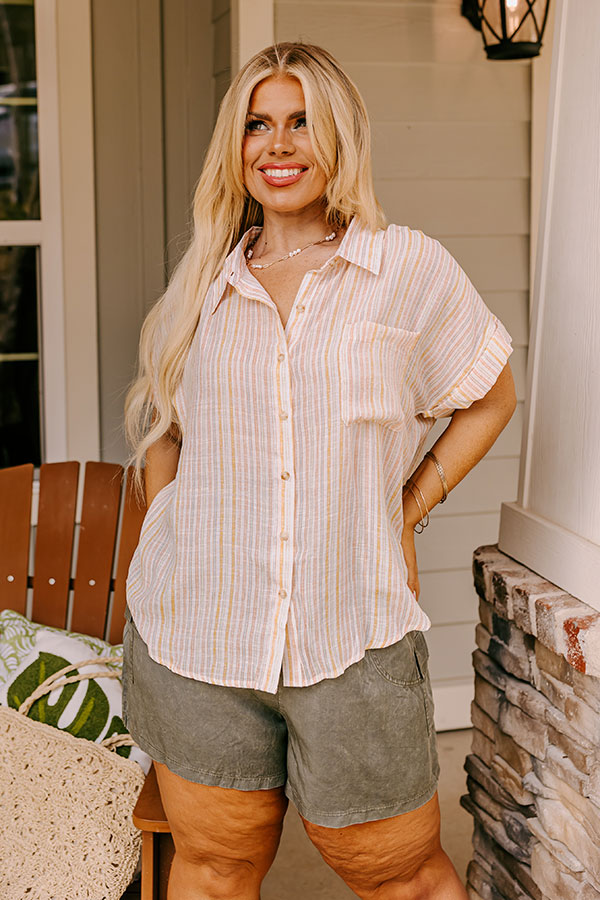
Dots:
{"x": 281, "y": 173}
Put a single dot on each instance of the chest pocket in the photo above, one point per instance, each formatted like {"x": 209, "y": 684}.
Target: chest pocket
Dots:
{"x": 373, "y": 361}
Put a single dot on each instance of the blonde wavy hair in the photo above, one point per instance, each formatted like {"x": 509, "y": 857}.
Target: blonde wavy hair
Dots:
{"x": 223, "y": 211}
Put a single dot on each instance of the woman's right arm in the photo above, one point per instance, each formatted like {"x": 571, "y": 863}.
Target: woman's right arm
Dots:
{"x": 162, "y": 459}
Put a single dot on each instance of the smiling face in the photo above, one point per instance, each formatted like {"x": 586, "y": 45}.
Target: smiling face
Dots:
{"x": 280, "y": 169}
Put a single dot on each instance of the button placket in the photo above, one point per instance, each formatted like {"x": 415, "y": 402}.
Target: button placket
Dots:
{"x": 285, "y": 534}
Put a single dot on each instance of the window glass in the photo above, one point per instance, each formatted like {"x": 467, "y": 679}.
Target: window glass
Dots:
{"x": 19, "y": 357}
{"x": 19, "y": 174}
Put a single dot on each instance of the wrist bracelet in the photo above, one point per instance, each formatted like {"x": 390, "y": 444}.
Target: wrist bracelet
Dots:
{"x": 424, "y": 515}
{"x": 426, "y": 523}
{"x": 440, "y": 471}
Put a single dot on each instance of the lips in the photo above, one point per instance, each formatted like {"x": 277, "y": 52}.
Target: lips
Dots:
{"x": 279, "y": 176}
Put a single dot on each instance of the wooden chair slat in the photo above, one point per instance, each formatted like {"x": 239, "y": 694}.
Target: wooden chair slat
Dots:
{"x": 131, "y": 523}
{"x": 95, "y": 552}
{"x": 54, "y": 542}
{"x": 16, "y": 488}
{"x": 149, "y": 813}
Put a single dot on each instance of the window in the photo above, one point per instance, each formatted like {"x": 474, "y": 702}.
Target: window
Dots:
{"x": 20, "y": 371}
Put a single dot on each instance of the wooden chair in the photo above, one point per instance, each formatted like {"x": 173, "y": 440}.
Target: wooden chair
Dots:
{"x": 103, "y": 542}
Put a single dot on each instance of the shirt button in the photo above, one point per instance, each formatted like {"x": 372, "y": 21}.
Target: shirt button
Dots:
{"x": 284, "y": 535}
{"x": 283, "y": 415}
{"x": 282, "y": 593}
{"x": 285, "y": 475}
{"x": 300, "y": 308}
{"x": 281, "y": 356}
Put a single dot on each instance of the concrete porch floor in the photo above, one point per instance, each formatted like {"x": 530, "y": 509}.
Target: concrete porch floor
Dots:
{"x": 299, "y": 872}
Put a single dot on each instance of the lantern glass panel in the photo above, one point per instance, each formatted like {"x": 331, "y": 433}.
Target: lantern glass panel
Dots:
{"x": 517, "y": 13}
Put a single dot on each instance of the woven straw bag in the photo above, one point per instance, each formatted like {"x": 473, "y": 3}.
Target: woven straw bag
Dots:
{"x": 66, "y": 829}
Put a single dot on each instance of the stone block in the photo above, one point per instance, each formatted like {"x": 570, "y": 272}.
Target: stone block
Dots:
{"x": 506, "y": 885}
{"x": 514, "y": 659}
{"x": 579, "y": 750}
{"x": 583, "y": 718}
{"x": 558, "y": 850}
{"x": 524, "y": 596}
{"x": 487, "y": 847}
{"x": 494, "y": 828}
{"x": 487, "y": 697}
{"x": 486, "y": 611}
{"x": 592, "y": 789}
{"x": 482, "y": 637}
{"x": 483, "y": 799}
{"x": 587, "y": 687}
{"x": 549, "y": 785}
{"x": 472, "y": 893}
{"x": 551, "y": 612}
{"x": 511, "y": 781}
{"x": 554, "y": 881}
{"x": 553, "y": 663}
{"x": 528, "y": 733}
{"x": 517, "y": 828}
{"x": 527, "y": 698}
{"x": 482, "y": 577}
{"x": 517, "y": 758}
{"x": 479, "y": 879}
{"x": 582, "y": 638}
{"x": 589, "y": 644}
{"x": 482, "y": 861}
{"x": 555, "y": 690}
{"x": 482, "y": 721}
{"x": 478, "y": 770}
{"x": 482, "y": 746}
{"x": 506, "y": 575}
{"x": 561, "y": 826}
{"x": 488, "y": 669}
{"x": 560, "y": 765}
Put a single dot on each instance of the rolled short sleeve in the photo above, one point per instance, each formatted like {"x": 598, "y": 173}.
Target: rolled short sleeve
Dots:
{"x": 462, "y": 348}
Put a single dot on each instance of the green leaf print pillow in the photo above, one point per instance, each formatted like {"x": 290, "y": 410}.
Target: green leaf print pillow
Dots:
{"x": 89, "y": 709}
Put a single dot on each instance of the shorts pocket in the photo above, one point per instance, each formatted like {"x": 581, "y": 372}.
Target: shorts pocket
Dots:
{"x": 373, "y": 360}
{"x": 402, "y": 662}
{"x": 128, "y": 647}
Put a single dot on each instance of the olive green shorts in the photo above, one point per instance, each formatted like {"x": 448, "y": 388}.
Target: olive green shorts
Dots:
{"x": 350, "y": 749}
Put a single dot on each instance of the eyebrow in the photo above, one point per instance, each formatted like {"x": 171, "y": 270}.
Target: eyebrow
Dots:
{"x": 267, "y": 117}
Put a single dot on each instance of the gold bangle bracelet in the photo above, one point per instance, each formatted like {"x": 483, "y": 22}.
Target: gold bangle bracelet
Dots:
{"x": 420, "y": 522}
{"x": 424, "y": 501}
{"x": 441, "y": 473}
{"x": 409, "y": 487}
{"x": 424, "y": 520}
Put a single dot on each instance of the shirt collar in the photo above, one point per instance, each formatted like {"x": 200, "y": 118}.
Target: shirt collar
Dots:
{"x": 359, "y": 246}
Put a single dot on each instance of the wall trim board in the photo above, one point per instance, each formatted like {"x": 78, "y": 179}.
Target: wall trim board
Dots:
{"x": 566, "y": 559}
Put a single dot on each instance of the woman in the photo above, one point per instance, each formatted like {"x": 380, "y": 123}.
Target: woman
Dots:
{"x": 288, "y": 380}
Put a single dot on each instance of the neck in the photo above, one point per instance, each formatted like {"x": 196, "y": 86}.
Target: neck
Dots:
{"x": 282, "y": 232}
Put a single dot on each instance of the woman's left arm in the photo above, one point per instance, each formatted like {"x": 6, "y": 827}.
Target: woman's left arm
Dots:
{"x": 468, "y": 437}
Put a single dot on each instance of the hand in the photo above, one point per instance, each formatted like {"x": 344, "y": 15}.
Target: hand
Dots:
{"x": 410, "y": 555}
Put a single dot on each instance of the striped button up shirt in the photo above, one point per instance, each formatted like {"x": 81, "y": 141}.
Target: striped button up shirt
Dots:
{"x": 276, "y": 549}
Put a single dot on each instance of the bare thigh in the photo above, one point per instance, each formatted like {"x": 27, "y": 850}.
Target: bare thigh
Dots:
{"x": 224, "y": 829}
{"x": 378, "y": 858}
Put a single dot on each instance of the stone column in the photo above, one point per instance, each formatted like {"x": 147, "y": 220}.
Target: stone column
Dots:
{"x": 533, "y": 776}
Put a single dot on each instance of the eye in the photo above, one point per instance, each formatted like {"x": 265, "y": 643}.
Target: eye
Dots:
{"x": 301, "y": 122}
{"x": 253, "y": 125}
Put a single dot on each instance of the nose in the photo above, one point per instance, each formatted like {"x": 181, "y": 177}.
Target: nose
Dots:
{"x": 281, "y": 141}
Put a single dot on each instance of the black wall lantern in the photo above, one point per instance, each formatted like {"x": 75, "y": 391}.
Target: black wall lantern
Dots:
{"x": 511, "y": 29}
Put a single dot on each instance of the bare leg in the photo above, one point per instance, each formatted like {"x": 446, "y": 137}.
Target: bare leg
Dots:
{"x": 225, "y": 840}
{"x": 399, "y": 858}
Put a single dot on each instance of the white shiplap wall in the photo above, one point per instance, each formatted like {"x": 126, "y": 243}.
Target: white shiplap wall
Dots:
{"x": 451, "y": 135}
